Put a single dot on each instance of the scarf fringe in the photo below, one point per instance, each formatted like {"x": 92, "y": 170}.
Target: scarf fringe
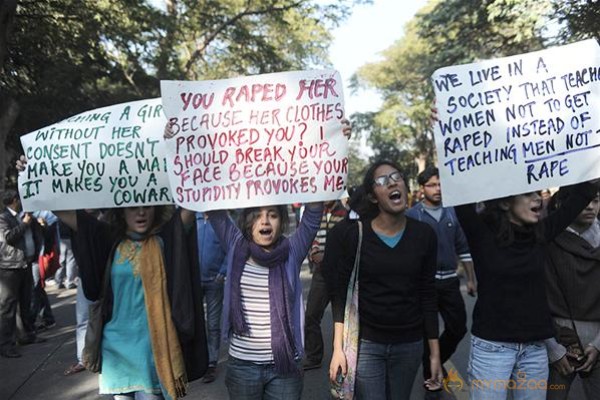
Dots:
{"x": 284, "y": 365}
{"x": 181, "y": 387}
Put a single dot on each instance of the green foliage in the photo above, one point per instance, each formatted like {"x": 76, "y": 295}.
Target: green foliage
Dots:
{"x": 232, "y": 37}
{"x": 443, "y": 33}
{"x": 62, "y": 57}
{"x": 357, "y": 165}
{"x": 579, "y": 19}
{"x": 67, "y": 56}
{"x": 455, "y": 32}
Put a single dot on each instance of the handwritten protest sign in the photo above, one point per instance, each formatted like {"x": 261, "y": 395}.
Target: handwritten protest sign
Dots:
{"x": 108, "y": 157}
{"x": 518, "y": 124}
{"x": 258, "y": 140}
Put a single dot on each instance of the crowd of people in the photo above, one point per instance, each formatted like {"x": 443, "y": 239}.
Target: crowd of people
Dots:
{"x": 161, "y": 289}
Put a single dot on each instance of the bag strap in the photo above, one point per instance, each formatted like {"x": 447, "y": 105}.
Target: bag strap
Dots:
{"x": 354, "y": 276}
{"x": 564, "y": 296}
{"x": 356, "y": 268}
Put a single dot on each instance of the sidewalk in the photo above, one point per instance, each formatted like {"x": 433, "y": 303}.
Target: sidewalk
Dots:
{"x": 38, "y": 374}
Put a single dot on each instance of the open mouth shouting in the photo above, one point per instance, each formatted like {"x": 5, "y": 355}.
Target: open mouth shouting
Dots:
{"x": 396, "y": 197}
{"x": 266, "y": 232}
{"x": 537, "y": 211}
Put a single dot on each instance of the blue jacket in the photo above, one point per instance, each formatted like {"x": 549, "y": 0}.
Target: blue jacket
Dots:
{"x": 212, "y": 257}
{"x": 452, "y": 243}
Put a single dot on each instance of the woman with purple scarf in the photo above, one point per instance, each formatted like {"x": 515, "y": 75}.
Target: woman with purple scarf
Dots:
{"x": 263, "y": 309}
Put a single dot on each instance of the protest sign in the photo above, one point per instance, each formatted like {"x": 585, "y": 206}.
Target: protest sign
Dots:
{"x": 257, "y": 140}
{"x": 108, "y": 157}
{"x": 518, "y": 124}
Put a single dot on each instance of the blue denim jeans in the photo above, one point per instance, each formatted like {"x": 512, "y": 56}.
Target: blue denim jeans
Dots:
{"x": 495, "y": 368}
{"x": 387, "y": 371}
{"x": 246, "y": 380}
{"x": 40, "y": 305}
{"x": 82, "y": 306}
{"x": 213, "y": 293}
{"x": 138, "y": 396}
{"x": 68, "y": 264}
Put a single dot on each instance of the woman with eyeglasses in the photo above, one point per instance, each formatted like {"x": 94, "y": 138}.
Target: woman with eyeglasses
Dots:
{"x": 396, "y": 296}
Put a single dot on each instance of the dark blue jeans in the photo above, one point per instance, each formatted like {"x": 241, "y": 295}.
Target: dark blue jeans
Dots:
{"x": 387, "y": 371}
{"x": 246, "y": 380}
{"x": 40, "y": 305}
{"x": 213, "y": 294}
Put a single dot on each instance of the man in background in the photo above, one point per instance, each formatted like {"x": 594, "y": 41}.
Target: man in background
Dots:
{"x": 20, "y": 244}
{"x": 452, "y": 248}
{"x": 213, "y": 268}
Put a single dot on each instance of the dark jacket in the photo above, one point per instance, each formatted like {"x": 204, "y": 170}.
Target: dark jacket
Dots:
{"x": 12, "y": 241}
{"x": 573, "y": 271}
{"x": 94, "y": 245}
{"x": 452, "y": 242}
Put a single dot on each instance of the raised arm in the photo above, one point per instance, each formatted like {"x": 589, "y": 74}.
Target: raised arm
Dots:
{"x": 187, "y": 217}
{"x": 224, "y": 228}
{"x": 303, "y": 237}
{"x": 92, "y": 244}
{"x": 580, "y": 196}
{"x": 470, "y": 222}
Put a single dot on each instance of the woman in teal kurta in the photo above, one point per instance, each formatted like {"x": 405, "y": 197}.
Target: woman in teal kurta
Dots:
{"x": 127, "y": 365}
{"x": 153, "y": 334}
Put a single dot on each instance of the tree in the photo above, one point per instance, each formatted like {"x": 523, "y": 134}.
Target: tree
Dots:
{"x": 443, "y": 33}
{"x": 67, "y": 56}
{"x": 579, "y": 19}
{"x": 9, "y": 108}
{"x": 356, "y": 165}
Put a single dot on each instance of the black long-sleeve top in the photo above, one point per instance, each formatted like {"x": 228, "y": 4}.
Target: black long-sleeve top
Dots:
{"x": 397, "y": 297}
{"x": 511, "y": 304}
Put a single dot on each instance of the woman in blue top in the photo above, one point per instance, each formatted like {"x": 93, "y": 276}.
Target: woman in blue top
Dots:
{"x": 139, "y": 264}
{"x": 153, "y": 339}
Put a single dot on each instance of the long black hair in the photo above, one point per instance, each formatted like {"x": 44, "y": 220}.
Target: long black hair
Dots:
{"x": 496, "y": 217}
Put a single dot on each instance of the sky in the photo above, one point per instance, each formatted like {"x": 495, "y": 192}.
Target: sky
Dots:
{"x": 361, "y": 39}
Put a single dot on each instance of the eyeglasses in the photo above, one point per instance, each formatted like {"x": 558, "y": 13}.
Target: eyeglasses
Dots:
{"x": 384, "y": 180}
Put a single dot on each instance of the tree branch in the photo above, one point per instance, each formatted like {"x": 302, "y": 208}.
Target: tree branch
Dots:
{"x": 210, "y": 38}
{"x": 8, "y": 9}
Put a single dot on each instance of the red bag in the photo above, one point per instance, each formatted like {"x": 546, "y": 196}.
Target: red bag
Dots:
{"x": 49, "y": 263}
